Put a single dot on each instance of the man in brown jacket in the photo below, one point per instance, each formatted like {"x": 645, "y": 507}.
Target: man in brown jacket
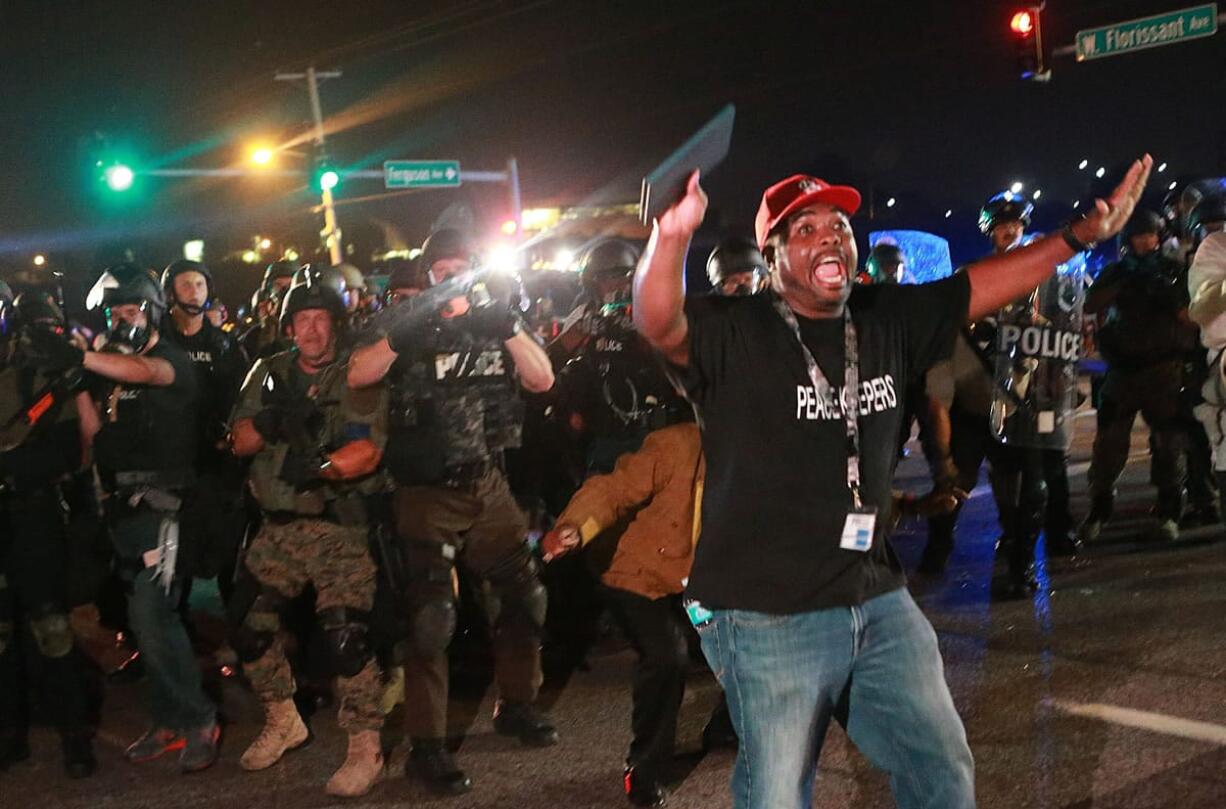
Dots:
{"x": 659, "y": 486}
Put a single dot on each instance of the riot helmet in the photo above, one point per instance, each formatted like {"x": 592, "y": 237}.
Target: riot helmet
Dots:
{"x": 885, "y": 264}
{"x": 275, "y": 271}
{"x": 128, "y": 283}
{"x": 1143, "y": 223}
{"x": 606, "y": 268}
{"x": 313, "y": 289}
{"x": 39, "y": 308}
{"x": 1208, "y": 215}
{"x": 448, "y": 243}
{"x": 736, "y": 267}
{"x": 177, "y": 268}
{"x": 1004, "y": 207}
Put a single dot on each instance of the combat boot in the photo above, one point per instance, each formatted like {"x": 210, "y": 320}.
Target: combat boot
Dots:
{"x": 524, "y": 721}
{"x": 362, "y": 769}
{"x": 283, "y": 731}
{"x": 432, "y": 762}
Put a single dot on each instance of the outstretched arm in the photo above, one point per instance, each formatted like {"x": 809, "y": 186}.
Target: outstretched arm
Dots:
{"x": 659, "y": 281}
{"x": 999, "y": 280}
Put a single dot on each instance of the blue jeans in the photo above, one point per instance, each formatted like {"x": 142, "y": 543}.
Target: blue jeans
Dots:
{"x": 176, "y": 696}
{"x": 877, "y": 665}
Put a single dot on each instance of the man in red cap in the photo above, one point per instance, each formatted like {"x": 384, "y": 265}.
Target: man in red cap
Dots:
{"x": 799, "y": 600}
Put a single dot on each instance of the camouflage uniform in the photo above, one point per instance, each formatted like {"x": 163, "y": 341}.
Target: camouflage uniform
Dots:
{"x": 313, "y": 536}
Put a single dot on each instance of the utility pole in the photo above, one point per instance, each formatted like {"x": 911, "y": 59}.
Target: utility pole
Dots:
{"x": 331, "y": 232}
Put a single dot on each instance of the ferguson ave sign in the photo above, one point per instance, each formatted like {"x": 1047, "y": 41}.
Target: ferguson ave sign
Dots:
{"x": 1147, "y": 32}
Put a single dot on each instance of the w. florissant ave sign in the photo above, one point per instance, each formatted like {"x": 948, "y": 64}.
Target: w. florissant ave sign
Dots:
{"x": 1147, "y": 32}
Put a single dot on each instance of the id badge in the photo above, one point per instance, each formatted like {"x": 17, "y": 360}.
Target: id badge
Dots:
{"x": 858, "y": 529}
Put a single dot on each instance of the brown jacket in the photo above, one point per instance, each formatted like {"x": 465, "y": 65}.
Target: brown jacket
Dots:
{"x": 663, "y": 481}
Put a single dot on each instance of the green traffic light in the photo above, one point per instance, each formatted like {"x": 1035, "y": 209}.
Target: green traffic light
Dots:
{"x": 119, "y": 177}
{"x": 328, "y": 179}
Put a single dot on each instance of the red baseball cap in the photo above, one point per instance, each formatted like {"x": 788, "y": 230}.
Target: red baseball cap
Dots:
{"x": 786, "y": 197}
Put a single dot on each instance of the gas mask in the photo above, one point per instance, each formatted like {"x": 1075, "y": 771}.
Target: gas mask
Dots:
{"x": 123, "y": 337}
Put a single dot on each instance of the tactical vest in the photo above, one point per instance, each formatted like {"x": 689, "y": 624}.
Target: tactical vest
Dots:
{"x": 452, "y": 405}
{"x": 331, "y": 428}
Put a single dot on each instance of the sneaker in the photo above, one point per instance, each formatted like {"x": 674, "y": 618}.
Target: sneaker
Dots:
{"x": 156, "y": 743}
{"x": 200, "y": 750}
{"x": 524, "y": 721}
{"x": 79, "y": 760}
{"x": 643, "y": 792}
{"x": 432, "y": 762}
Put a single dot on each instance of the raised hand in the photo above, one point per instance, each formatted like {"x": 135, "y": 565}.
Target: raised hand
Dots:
{"x": 1108, "y": 216}
{"x": 683, "y": 217}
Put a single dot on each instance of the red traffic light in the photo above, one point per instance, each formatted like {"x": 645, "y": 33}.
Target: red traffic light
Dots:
{"x": 1022, "y": 23}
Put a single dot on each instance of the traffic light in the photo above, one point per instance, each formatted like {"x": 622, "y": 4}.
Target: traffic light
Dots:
{"x": 1027, "y": 29}
{"x": 324, "y": 177}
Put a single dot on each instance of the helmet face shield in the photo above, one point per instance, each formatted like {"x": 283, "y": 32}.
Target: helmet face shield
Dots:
{"x": 125, "y": 334}
{"x": 743, "y": 284}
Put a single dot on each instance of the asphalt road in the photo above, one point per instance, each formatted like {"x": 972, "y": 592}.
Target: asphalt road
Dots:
{"x": 1108, "y": 689}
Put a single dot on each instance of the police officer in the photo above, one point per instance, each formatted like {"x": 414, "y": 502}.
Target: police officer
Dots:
{"x": 604, "y": 275}
{"x": 40, "y": 448}
{"x": 144, "y": 439}
{"x": 613, "y": 390}
{"x": 213, "y": 518}
{"x": 736, "y": 267}
{"x": 886, "y": 264}
{"x": 453, "y": 356}
{"x": 317, "y": 447}
{"x": 261, "y": 331}
{"x": 1143, "y": 334}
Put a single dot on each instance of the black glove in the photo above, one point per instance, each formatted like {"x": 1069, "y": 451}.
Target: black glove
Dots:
{"x": 495, "y": 319}
{"x": 48, "y": 351}
{"x": 301, "y": 469}
{"x": 269, "y": 423}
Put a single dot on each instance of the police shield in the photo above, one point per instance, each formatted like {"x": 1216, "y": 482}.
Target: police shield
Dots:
{"x": 1038, "y": 345}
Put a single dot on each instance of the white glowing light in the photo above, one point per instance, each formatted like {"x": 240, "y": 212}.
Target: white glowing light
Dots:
{"x": 889, "y": 203}
{"x": 265, "y": 244}
{"x": 563, "y": 259}
{"x": 503, "y": 257}
{"x": 1082, "y": 165}
{"x": 949, "y": 213}
{"x": 1038, "y": 192}
{"x": 1100, "y": 172}
{"x": 1171, "y": 187}
{"x": 1162, "y": 168}
{"x": 1077, "y": 204}
{"x": 40, "y": 260}
{"x": 1017, "y": 187}
{"x": 194, "y": 250}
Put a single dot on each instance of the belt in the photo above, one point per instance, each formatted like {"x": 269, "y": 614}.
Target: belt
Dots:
{"x": 177, "y": 479}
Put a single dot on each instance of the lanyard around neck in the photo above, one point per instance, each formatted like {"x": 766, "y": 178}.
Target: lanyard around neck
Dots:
{"x": 850, "y": 402}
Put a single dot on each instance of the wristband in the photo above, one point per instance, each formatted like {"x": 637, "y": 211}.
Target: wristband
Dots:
{"x": 1075, "y": 244}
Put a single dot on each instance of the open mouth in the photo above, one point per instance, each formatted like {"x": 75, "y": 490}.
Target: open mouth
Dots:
{"x": 830, "y": 272}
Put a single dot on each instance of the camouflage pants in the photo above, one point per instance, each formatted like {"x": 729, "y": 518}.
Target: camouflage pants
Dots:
{"x": 337, "y": 561}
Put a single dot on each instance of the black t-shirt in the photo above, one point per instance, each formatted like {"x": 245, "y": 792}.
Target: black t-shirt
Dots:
{"x": 154, "y": 429}
{"x": 776, "y": 494}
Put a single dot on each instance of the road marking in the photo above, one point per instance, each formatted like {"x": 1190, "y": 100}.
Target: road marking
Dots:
{"x": 1145, "y": 720}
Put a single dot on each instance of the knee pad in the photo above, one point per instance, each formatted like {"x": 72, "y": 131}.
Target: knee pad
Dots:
{"x": 347, "y": 637}
{"x": 52, "y": 634}
{"x": 433, "y": 624}
{"x": 513, "y": 591}
{"x": 255, "y": 635}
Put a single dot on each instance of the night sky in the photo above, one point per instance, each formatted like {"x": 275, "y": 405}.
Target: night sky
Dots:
{"x": 915, "y": 100}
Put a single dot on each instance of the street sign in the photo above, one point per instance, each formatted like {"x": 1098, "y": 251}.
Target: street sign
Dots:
{"x": 421, "y": 173}
{"x": 1147, "y": 32}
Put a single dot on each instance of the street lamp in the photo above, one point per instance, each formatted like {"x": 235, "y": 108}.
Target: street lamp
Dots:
{"x": 40, "y": 260}
{"x": 261, "y": 155}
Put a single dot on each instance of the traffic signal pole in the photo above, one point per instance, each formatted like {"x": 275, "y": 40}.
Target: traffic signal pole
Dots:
{"x": 331, "y": 232}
